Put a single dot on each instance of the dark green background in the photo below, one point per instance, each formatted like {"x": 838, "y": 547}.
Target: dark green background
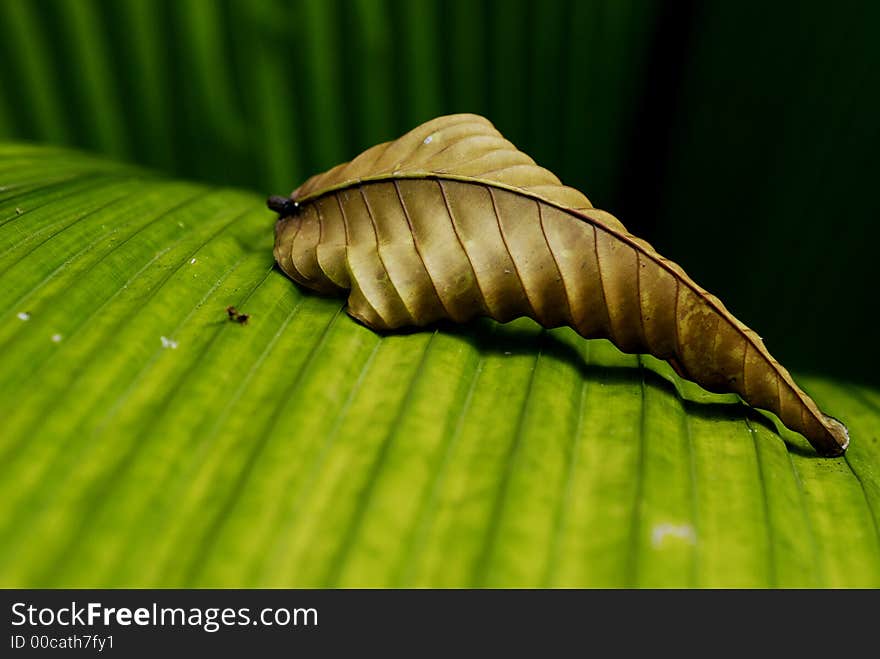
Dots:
{"x": 740, "y": 138}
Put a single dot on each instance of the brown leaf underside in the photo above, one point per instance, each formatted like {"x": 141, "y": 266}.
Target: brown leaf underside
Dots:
{"x": 451, "y": 221}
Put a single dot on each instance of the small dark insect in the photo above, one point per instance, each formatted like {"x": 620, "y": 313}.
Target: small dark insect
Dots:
{"x": 284, "y": 206}
{"x": 240, "y": 318}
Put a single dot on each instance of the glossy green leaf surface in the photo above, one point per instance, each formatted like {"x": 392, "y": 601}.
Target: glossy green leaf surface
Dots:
{"x": 149, "y": 441}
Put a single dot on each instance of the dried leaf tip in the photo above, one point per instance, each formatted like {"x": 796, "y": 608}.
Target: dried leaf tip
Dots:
{"x": 284, "y": 206}
{"x": 840, "y": 434}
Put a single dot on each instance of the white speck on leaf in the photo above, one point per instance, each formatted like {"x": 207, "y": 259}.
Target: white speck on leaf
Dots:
{"x": 683, "y": 532}
{"x": 56, "y": 338}
{"x": 23, "y": 315}
{"x": 428, "y": 139}
{"x": 191, "y": 261}
{"x": 18, "y": 211}
{"x": 168, "y": 343}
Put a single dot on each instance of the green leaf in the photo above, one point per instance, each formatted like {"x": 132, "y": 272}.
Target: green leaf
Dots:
{"x": 149, "y": 441}
{"x": 264, "y": 93}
